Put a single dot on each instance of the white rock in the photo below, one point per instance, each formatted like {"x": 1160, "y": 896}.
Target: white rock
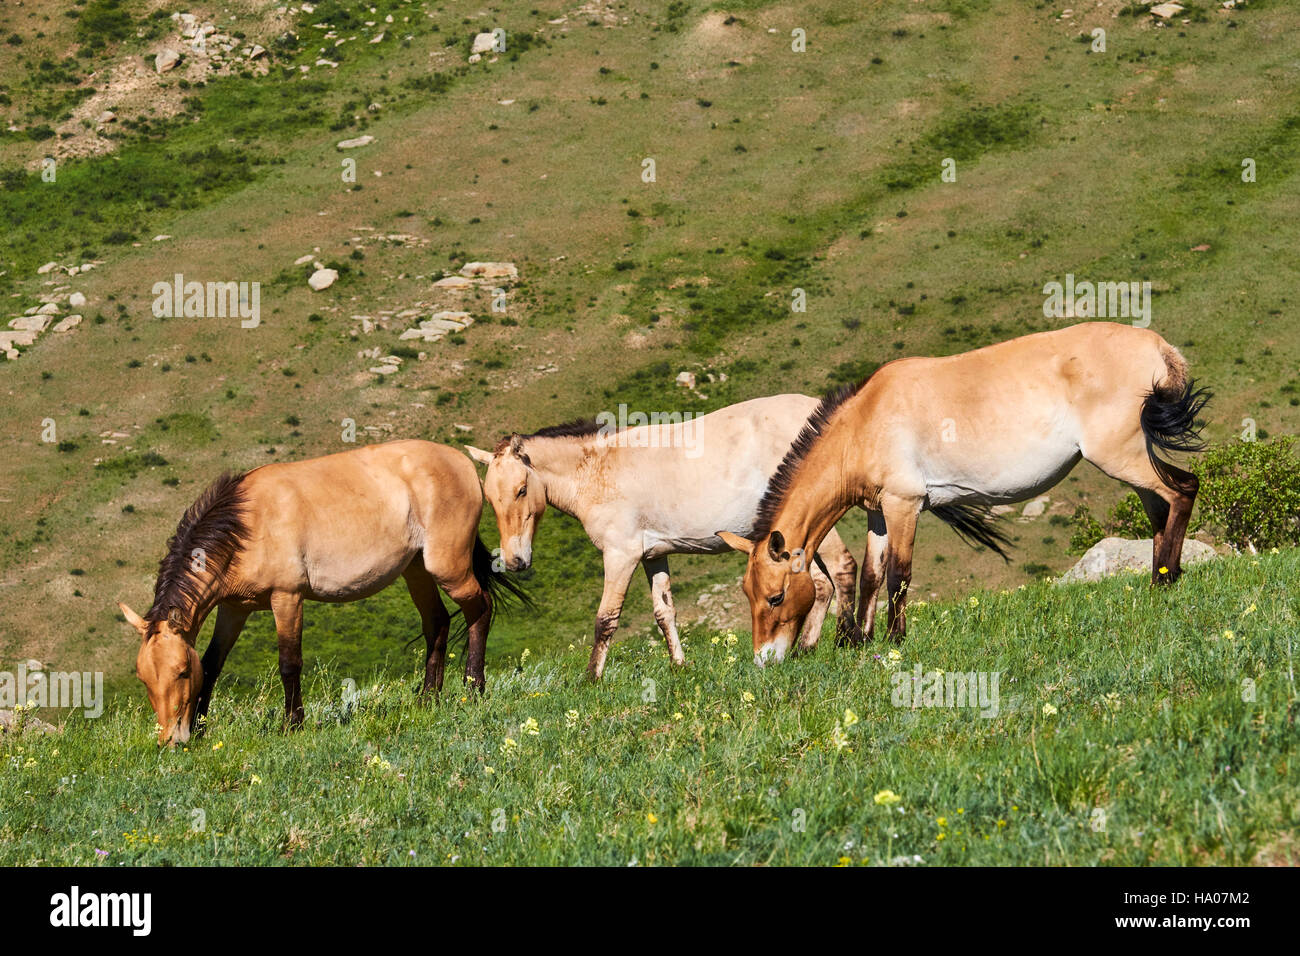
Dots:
{"x": 1036, "y": 507}
{"x": 68, "y": 324}
{"x": 303, "y": 260}
{"x": 30, "y": 323}
{"x": 76, "y": 300}
{"x": 453, "y": 282}
{"x": 686, "y": 379}
{"x": 49, "y": 308}
{"x": 322, "y": 279}
{"x": 1166, "y": 10}
{"x": 47, "y": 268}
{"x": 1113, "y": 555}
{"x": 483, "y": 43}
{"x": 108, "y": 116}
{"x": 10, "y": 339}
{"x": 475, "y": 57}
{"x": 162, "y": 237}
{"x": 354, "y": 143}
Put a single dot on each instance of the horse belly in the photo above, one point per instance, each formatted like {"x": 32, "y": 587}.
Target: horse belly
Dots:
{"x": 1003, "y": 475}
{"x": 337, "y": 581}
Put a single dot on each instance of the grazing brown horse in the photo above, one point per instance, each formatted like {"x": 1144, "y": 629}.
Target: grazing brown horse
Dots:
{"x": 337, "y": 528}
{"x": 957, "y": 434}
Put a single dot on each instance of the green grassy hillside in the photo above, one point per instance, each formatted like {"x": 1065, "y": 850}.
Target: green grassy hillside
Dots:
{"x": 1130, "y": 726}
{"x": 776, "y": 170}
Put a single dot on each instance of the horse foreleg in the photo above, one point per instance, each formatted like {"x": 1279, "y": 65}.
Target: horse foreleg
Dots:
{"x": 618, "y": 575}
{"x": 287, "y": 608}
{"x": 900, "y": 522}
{"x": 823, "y": 592}
{"x": 435, "y": 623}
{"x": 230, "y": 621}
{"x": 873, "y": 574}
{"x": 661, "y": 597}
{"x": 843, "y": 571}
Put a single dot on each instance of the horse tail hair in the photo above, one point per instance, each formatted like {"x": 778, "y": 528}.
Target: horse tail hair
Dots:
{"x": 1168, "y": 419}
{"x": 976, "y": 525}
{"x": 500, "y": 591}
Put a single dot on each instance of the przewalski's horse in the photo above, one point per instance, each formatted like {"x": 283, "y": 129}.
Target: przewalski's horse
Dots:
{"x": 337, "y": 528}
{"x": 647, "y": 492}
{"x": 997, "y": 425}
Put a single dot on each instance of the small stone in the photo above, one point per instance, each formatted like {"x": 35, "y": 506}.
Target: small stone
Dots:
{"x": 354, "y": 143}
{"x": 686, "y": 379}
{"x": 76, "y": 300}
{"x": 166, "y": 60}
{"x": 68, "y": 324}
{"x": 483, "y": 43}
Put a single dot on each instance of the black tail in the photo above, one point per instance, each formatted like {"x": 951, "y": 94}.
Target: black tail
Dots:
{"x": 975, "y": 524}
{"x": 501, "y": 591}
{"x": 1169, "y": 424}
{"x": 500, "y": 588}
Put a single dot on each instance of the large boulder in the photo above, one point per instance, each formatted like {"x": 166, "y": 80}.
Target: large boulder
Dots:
{"x": 1113, "y": 555}
{"x": 322, "y": 279}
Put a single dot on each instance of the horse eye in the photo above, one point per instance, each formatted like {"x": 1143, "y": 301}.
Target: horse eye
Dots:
{"x": 522, "y": 491}
{"x": 775, "y": 601}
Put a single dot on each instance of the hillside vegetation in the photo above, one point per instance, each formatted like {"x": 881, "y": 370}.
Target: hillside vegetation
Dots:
{"x": 1130, "y": 726}
{"x": 776, "y": 170}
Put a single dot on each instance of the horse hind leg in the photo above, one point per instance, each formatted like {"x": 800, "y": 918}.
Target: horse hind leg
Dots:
{"x": 661, "y": 596}
{"x": 900, "y": 514}
{"x": 435, "y": 623}
{"x": 1167, "y": 499}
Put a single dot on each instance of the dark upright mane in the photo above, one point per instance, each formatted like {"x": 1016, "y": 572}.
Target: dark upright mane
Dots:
{"x": 213, "y": 525}
{"x": 779, "y": 484}
{"x": 578, "y": 428}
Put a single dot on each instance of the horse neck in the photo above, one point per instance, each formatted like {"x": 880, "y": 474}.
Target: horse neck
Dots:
{"x": 829, "y": 481}
{"x": 559, "y": 463}
{"x": 212, "y": 589}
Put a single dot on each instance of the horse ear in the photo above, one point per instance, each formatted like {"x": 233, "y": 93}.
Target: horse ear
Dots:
{"x": 775, "y": 545}
{"x": 479, "y": 455}
{"x": 133, "y": 619}
{"x": 736, "y": 541}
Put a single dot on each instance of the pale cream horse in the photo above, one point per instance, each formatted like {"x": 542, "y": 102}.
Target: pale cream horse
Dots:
{"x": 337, "y": 528}
{"x": 996, "y": 425}
{"x": 643, "y": 493}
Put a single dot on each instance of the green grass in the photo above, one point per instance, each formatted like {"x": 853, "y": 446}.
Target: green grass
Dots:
{"x": 722, "y": 763}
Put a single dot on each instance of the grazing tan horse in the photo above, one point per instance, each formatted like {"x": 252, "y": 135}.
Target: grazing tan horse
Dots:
{"x": 337, "y": 528}
{"x": 646, "y": 492}
{"x": 956, "y": 434}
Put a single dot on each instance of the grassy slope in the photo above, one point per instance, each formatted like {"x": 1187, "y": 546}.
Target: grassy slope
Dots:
{"x": 1108, "y": 166}
{"x": 720, "y": 762}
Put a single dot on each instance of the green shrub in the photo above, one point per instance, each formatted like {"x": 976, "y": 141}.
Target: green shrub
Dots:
{"x": 1250, "y": 493}
{"x": 1128, "y": 519}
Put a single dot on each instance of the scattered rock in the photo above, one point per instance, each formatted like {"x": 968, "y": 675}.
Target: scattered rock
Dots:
{"x": 1036, "y": 507}
{"x": 483, "y": 43}
{"x": 453, "y": 282}
{"x": 30, "y": 323}
{"x": 47, "y": 268}
{"x": 68, "y": 324}
{"x": 354, "y": 143}
{"x": 490, "y": 270}
{"x": 303, "y": 260}
{"x": 1166, "y": 10}
{"x": 76, "y": 300}
{"x": 108, "y": 116}
{"x": 686, "y": 379}
{"x": 1113, "y": 555}
{"x": 166, "y": 60}
{"x": 24, "y": 723}
{"x": 322, "y": 279}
